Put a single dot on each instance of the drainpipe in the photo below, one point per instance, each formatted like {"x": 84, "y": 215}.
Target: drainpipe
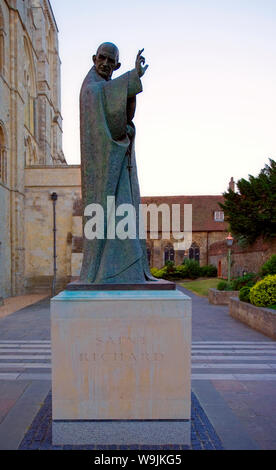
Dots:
{"x": 54, "y": 198}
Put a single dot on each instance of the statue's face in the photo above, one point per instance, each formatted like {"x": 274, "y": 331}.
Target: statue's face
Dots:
{"x": 106, "y": 61}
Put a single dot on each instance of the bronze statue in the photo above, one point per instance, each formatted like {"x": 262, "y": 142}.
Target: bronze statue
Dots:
{"x": 108, "y": 165}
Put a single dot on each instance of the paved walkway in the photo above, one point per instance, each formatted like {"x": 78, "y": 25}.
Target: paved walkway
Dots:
{"x": 13, "y": 304}
{"x": 233, "y": 375}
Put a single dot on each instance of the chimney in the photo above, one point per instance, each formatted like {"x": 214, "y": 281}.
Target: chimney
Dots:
{"x": 232, "y": 184}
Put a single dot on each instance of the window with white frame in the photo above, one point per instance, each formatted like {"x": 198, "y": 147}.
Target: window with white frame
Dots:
{"x": 219, "y": 216}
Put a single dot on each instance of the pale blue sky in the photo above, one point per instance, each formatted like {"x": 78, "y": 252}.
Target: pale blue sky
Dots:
{"x": 208, "y": 110}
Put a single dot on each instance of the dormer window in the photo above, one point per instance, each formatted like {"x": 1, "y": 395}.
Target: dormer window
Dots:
{"x": 219, "y": 216}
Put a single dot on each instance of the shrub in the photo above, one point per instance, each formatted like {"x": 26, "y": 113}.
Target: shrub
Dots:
{"x": 154, "y": 271}
{"x": 248, "y": 280}
{"x": 192, "y": 267}
{"x": 244, "y": 294}
{"x": 159, "y": 273}
{"x": 181, "y": 272}
{"x": 269, "y": 267}
{"x": 170, "y": 267}
{"x": 208, "y": 271}
{"x": 169, "y": 272}
{"x": 189, "y": 269}
{"x": 263, "y": 294}
{"x": 222, "y": 285}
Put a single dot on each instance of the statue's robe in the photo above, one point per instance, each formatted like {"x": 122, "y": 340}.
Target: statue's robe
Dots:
{"x": 107, "y": 134}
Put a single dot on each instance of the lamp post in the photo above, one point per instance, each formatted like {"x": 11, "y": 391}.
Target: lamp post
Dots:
{"x": 54, "y": 198}
{"x": 229, "y": 241}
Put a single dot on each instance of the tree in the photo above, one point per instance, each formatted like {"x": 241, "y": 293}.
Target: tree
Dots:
{"x": 251, "y": 212}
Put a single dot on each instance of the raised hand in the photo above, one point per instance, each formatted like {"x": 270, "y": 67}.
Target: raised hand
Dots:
{"x": 140, "y": 61}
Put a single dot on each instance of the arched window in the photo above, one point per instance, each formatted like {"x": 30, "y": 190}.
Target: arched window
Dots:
{"x": 51, "y": 60}
{"x": 30, "y": 153}
{"x": 30, "y": 88}
{"x": 194, "y": 252}
{"x": 2, "y": 43}
{"x": 3, "y": 156}
{"x": 169, "y": 254}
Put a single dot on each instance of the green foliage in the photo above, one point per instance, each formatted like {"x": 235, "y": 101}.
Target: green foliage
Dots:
{"x": 269, "y": 267}
{"x": 154, "y": 271}
{"x": 190, "y": 269}
{"x": 248, "y": 280}
{"x": 251, "y": 212}
{"x": 222, "y": 285}
{"x": 170, "y": 267}
{"x": 169, "y": 272}
{"x": 263, "y": 294}
{"x": 181, "y": 272}
{"x": 244, "y": 294}
{"x": 208, "y": 271}
{"x": 159, "y": 273}
{"x": 193, "y": 269}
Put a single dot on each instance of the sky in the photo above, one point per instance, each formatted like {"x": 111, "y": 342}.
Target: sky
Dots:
{"x": 208, "y": 107}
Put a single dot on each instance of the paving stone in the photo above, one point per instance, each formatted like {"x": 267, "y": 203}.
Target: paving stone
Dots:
{"x": 202, "y": 432}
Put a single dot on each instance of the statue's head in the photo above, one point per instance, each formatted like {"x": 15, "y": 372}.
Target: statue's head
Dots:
{"x": 106, "y": 60}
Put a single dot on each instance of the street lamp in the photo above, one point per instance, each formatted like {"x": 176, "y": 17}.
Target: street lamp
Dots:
{"x": 229, "y": 241}
{"x": 54, "y": 198}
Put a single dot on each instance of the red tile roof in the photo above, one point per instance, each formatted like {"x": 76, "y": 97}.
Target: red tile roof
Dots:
{"x": 203, "y": 210}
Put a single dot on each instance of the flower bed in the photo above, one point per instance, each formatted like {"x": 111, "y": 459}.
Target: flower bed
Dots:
{"x": 259, "y": 318}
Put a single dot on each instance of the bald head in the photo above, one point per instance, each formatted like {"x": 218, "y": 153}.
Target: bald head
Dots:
{"x": 110, "y": 47}
{"x": 106, "y": 60}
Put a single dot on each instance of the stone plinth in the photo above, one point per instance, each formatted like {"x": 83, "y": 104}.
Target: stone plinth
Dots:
{"x": 221, "y": 297}
{"x": 121, "y": 367}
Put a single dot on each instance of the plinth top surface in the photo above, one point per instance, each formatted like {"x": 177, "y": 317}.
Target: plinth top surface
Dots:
{"x": 120, "y": 295}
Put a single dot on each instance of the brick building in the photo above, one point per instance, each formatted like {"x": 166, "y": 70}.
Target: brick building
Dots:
{"x": 208, "y": 227}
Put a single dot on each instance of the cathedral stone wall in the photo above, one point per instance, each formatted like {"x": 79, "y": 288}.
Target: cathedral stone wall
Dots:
{"x": 30, "y": 121}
